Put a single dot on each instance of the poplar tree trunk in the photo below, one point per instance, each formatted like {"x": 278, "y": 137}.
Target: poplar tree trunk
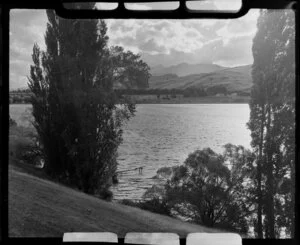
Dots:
{"x": 293, "y": 198}
{"x": 259, "y": 175}
{"x": 270, "y": 179}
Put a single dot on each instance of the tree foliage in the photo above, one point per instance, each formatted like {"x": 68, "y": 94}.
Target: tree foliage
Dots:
{"x": 130, "y": 70}
{"x": 210, "y": 189}
{"x": 272, "y": 120}
{"x": 74, "y": 104}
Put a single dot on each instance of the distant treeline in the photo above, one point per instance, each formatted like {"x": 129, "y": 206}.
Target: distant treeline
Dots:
{"x": 20, "y": 96}
{"x": 23, "y": 96}
{"x": 188, "y": 92}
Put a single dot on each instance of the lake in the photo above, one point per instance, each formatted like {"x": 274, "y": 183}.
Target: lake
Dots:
{"x": 163, "y": 135}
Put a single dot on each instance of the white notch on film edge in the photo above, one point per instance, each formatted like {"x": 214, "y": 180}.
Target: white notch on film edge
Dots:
{"x": 155, "y": 238}
{"x": 152, "y": 238}
{"x": 213, "y": 238}
{"x": 90, "y": 237}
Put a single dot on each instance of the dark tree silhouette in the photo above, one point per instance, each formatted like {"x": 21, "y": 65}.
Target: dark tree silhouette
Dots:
{"x": 206, "y": 191}
{"x": 272, "y": 119}
{"x": 74, "y": 104}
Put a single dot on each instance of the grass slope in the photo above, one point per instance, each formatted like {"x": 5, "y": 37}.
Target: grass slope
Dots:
{"x": 41, "y": 208}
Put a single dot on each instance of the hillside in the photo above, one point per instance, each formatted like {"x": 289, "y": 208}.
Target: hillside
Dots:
{"x": 184, "y": 69}
{"x": 234, "y": 79}
{"x": 41, "y": 208}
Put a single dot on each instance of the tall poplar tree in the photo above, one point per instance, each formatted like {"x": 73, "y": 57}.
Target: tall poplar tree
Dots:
{"x": 74, "y": 104}
{"x": 272, "y": 102}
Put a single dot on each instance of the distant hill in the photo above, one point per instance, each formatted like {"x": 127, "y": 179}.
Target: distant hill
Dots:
{"x": 234, "y": 79}
{"x": 184, "y": 69}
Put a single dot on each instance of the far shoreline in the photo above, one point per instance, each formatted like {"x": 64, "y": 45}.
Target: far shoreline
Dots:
{"x": 198, "y": 100}
{"x": 189, "y": 100}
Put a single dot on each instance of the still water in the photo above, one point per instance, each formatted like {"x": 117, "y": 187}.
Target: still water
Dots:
{"x": 164, "y": 134}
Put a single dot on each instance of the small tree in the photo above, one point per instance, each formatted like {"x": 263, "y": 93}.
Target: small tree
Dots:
{"x": 211, "y": 189}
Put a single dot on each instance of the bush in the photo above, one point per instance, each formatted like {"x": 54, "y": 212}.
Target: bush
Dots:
{"x": 154, "y": 205}
{"x": 106, "y": 195}
{"x": 21, "y": 139}
{"x": 12, "y": 122}
{"x": 205, "y": 191}
{"x": 128, "y": 202}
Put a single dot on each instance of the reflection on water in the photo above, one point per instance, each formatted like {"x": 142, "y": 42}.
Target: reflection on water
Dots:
{"x": 163, "y": 135}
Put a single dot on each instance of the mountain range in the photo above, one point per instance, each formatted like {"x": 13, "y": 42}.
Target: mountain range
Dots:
{"x": 184, "y": 75}
{"x": 184, "y": 69}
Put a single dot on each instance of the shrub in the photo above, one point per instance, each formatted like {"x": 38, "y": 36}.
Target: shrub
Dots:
{"x": 154, "y": 205}
{"x": 12, "y": 122}
{"x": 205, "y": 191}
{"x": 128, "y": 202}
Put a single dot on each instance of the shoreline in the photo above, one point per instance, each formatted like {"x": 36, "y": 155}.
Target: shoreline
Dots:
{"x": 198, "y": 100}
{"x": 188, "y": 100}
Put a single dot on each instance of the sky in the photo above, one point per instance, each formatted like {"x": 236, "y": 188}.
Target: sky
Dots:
{"x": 159, "y": 42}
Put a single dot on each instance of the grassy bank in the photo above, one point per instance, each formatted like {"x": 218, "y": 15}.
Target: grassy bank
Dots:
{"x": 39, "y": 207}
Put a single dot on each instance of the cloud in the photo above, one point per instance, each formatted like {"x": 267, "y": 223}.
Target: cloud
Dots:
{"x": 162, "y": 25}
{"x": 237, "y": 51}
{"x": 234, "y": 51}
{"x": 166, "y": 42}
{"x": 152, "y": 46}
{"x": 26, "y": 28}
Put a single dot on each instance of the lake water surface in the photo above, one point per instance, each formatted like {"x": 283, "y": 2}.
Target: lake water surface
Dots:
{"x": 164, "y": 134}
